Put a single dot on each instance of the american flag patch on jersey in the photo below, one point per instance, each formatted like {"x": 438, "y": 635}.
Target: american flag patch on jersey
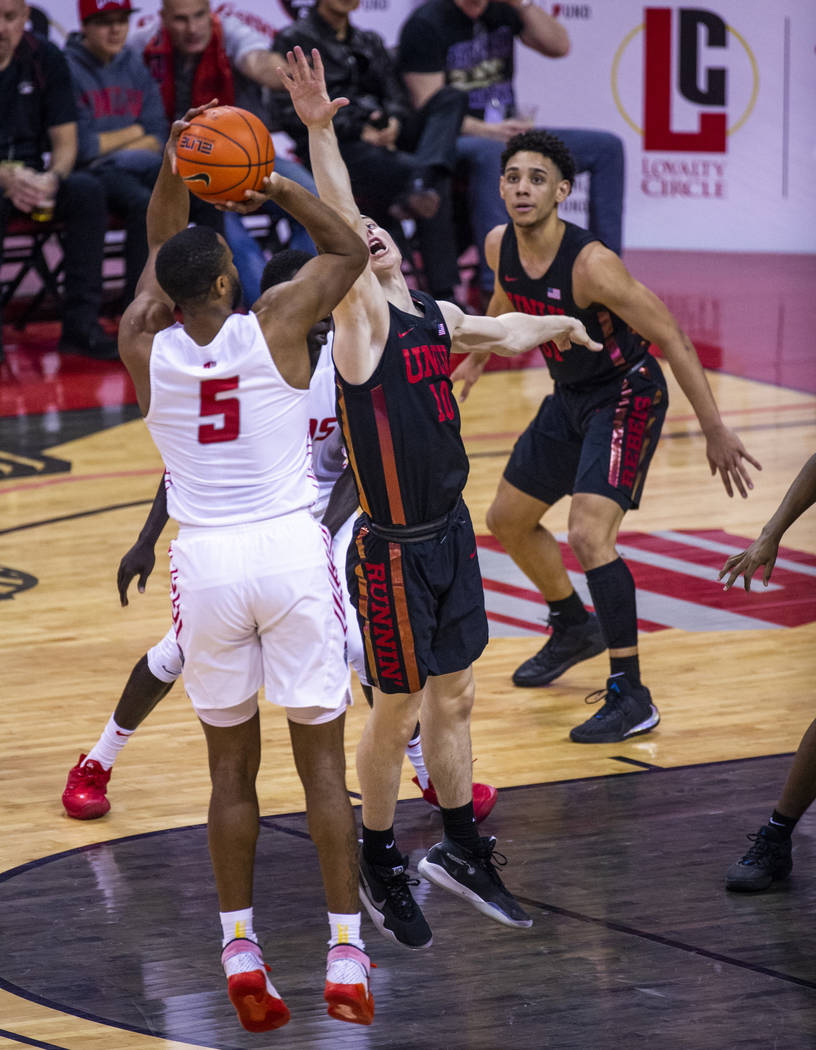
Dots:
{"x": 553, "y": 293}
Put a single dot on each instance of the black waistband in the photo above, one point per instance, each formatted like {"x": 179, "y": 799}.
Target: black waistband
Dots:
{"x": 426, "y": 530}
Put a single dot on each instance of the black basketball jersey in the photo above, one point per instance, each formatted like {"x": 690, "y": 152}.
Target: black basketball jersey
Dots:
{"x": 552, "y": 294}
{"x": 401, "y": 427}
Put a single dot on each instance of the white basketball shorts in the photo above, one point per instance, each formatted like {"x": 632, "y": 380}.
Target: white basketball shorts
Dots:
{"x": 259, "y": 604}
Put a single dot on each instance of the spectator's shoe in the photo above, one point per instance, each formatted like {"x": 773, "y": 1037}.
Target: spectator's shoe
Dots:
{"x": 484, "y": 798}
{"x": 567, "y": 646}
{"x": 472, "y": 874}
{"x": 257, "y": 1003}
{"x": 347, "y": 985}
{"x": 85, "y": 794}
{"x": 420, "y": 202}
{"x": 386, "y": 896}
{"x": 769, "y": 858}
{"x": 627, "y": 711}
{"x": 94, "y": 343}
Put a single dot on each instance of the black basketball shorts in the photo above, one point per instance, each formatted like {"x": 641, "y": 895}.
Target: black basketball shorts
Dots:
{"x": 596, "y": 439}
{"x": 420, "y": 604}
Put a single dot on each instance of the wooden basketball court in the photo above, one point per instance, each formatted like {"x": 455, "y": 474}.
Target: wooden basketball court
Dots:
{"x": 109, "y": 937}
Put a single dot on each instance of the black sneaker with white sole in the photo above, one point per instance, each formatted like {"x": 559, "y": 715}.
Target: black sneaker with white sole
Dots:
{"x": 386, "y": 896}
{"x": 472, "y": 874}
{"x": 567, "y": 646}
{"x": 627, "y": 711}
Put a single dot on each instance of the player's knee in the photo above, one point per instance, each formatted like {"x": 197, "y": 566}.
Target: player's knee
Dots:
{"x": 585, "y": 542}
{"x": 503, "y": 526}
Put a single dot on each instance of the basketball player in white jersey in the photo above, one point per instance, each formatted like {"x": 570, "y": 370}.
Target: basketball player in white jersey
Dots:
{"x": 336, "y": 506}
{"x": 254, "y": 595}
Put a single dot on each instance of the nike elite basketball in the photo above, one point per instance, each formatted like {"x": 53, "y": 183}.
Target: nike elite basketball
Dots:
{"x": 224, "y": 152}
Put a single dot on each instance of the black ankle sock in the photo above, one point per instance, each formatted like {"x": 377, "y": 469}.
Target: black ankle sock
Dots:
{"x": 783, "y": 825}
{"x": 460, "y": 826}
{"x": 569, "y": 612}
{"x": 628, "y": 665}
{"x": 380, "y": 848}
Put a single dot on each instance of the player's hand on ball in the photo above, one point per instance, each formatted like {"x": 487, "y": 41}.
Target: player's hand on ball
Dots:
{"x": 179, "y": 126}
{"x": 254, "y": 199}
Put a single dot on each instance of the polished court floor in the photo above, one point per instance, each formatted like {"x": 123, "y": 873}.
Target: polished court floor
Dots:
{"x": 109, "y": 932}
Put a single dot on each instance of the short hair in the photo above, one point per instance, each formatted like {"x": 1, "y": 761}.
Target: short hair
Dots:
{"x": 283, "y": 266}
{"x": 189, "y": 263}
{"x": 536, "y": 140}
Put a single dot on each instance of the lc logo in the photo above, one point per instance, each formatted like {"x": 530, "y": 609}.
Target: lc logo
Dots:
{"x": 694, "y": 63}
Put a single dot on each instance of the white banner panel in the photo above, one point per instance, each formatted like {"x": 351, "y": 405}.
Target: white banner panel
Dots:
{"x": 714, "y": 104}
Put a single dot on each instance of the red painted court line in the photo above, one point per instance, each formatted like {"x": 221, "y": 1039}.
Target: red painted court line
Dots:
{"x": 69, "y": 479}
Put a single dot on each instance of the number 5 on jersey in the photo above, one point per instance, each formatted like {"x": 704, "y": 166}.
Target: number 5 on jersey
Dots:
{"x": 214, "y": 404}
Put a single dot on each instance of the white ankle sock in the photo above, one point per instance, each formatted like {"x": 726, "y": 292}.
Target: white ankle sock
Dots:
{"x": 109, "y": 745}
{"x": 414, "y": 752}
{"x": 345, "y": 929}
{"x": 235, "y": 924}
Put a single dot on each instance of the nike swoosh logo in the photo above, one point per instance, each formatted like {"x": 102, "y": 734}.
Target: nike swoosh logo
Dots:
{"x": 473, "y": 555}
{"x": 510, "y": 278}
{"x": 390, "y": 845}
{"x": 401, "y": 335}
{"x": 200, "y": 176}
{"x": 120, "y": 733}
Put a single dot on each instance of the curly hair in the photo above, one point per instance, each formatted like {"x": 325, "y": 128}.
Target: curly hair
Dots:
{"x": 539, "y": 141}
{"x": 189, "y": 263}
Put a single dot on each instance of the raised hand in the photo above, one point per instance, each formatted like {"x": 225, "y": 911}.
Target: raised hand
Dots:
{"x": 307, "y": 88}
{"x": 179, "y": 126}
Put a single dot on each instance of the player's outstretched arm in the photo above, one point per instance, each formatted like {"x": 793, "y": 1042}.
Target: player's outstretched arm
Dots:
{"x": 763, "y": 551}
{"x": 362, "y": 318}
{"x": 141, "y": 557}
{"x": 512, "y": 334}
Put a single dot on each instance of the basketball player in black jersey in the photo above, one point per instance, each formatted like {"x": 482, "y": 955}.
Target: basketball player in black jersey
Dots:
{"x": 412, "y": 565}
{"x": 594, "y": 437}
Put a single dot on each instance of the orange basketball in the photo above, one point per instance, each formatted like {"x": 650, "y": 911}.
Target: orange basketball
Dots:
{"x": 224, "y": 152}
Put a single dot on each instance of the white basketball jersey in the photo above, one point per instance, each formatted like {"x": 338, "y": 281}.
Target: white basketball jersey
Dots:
{"x": 234, "y": 436}
{"x": 328, "y": 451}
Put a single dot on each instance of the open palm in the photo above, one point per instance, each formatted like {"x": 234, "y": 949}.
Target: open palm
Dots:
{"x": 306, "y": 85}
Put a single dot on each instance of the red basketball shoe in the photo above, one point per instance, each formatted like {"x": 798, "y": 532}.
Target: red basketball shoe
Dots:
{"x": 484, "y": 798}
{"x": 85, "y": 793}
{"x": 256, "y": 1001}
{"x": 347, "y": 985}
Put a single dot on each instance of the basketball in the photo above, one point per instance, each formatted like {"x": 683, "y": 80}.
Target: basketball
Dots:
{"x": 224, "y": 151}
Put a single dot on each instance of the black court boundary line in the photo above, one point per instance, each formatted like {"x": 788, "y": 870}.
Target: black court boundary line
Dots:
{"x": 29, "y": 1042}
{"x": 72, "y": 517}
{"x": 668, "y": 942}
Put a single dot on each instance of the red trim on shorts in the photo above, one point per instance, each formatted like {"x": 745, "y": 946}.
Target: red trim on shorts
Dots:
{"x": 406, "y": 634}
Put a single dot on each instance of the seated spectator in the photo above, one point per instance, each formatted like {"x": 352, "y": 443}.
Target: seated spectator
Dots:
{"x": 38, "y": 116}
{"x": 122, "y": 126}
{"x": 196, "y": 55}
{"x": 395, "y": 154}
{"x": 470, "y": 45}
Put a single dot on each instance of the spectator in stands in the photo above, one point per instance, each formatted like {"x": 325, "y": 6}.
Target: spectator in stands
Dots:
{"x": 393, "y": 151}
{"x": 122, "y": 126}
{"x": 196, "y": 55}
{"x": 38, "y": 116}
{"x": 470, "y": 45}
